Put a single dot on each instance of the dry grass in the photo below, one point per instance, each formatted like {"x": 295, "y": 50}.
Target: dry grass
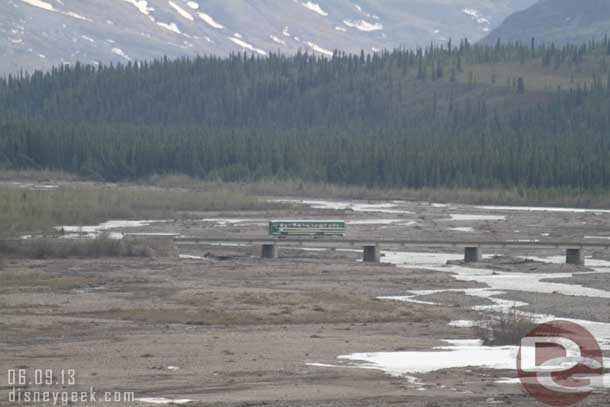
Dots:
{"x": 504, "y": 329}
{"x": 25, "y": 210}
{"x": 37, "y": 176}
{"x": 101, "y": 246}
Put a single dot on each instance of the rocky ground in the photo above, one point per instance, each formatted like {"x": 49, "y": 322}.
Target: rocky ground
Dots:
{"x": 227, "y": 328}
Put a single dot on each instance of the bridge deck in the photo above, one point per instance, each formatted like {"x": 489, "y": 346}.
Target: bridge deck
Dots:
{"x": 393, "y": 242}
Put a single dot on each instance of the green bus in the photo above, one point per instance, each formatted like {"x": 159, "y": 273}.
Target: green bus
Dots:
{"x": 307, "y": 228}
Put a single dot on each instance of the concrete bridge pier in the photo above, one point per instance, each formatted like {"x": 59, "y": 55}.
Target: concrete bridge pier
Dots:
{"x": 472, "y": 254}
{"x": 269, "y": 251}
{"x": 371, "y": 254}
{"x": 575, "y": 256}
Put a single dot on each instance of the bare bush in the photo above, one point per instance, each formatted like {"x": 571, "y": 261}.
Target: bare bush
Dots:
{"x": 505, "y": 328}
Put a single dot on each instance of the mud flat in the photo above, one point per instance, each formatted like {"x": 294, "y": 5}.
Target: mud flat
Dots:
{"x": 217, "y": 325}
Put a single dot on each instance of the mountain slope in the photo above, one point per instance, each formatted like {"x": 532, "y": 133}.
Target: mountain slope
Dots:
{"x": 38, "y": 34}
{"x": 559, "y": 21}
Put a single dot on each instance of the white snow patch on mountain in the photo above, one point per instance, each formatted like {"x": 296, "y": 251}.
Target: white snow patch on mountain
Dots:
{"x": 315, "y": 7}
{"x": 193, "y": 5}
{"x": 277, "y": 40}
{"x": 361, "y": 11}
{"x": 476, "y": 15}
{"x": 77, "y": 16}
{"x": 285, "y": 32}
{"x": 181, "y": 11}
{"x": 119, "y": 52}
{"x": 342, "y": 29}
{"x": 141, "y": 5}
{"x": 319, "y": 49}
{"x": 40, "y": 4}
{"x": 237, "y": 35}
{"x": 363, "y": 25}
{"x": 49, "y": 7}
{"x": 84, "y": 37}
{"x": 210, "y": 21}
{"x": 246, "y": 45}
{"x": 170, "y": 27}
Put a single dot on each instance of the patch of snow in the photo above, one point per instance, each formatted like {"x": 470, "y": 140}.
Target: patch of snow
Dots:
{"x": 363, "y": 25}
{"x": 466, "y": 229}
{"x": 246, "y": 45}
{"x": 111, "y": 224}
{"x": 476, "y": 15}
{"x": 77, "y": 16}
{"x": 189, "y": 257}
{"x": 233, "y": 221}
{"x": 442, "y": 357}
{"x": 237, "y": 35}
{"x": 119, "y": 52}
{"x": 542, "y": 209}
{"x": 463, "y": 323}
{"x": 374, "y": 221}
{"x": 84, "y": 37}
{"x": 468, "y": 217}
{"x": 40, "y": 4}
{"x": 277, "y": 40}
{"x": 319, "y": 49}
{"x": 170, "y": 27}
{"x": 470, "y": 353}
{"x": 342, "y": 29}
{"x": 285, "y": 32}
{"x": 345, "y": 205}
{"x": 193, "y": 5}
{"x": 210, "y": 21}
{"x": 141, "y": 5}
{"x": 181, "y": 11}
{"x": 315, "y": 7}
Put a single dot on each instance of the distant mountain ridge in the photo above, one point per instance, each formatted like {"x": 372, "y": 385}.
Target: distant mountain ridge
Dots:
{"x": 38, "y": 34}
{"x": 558, "y": 21}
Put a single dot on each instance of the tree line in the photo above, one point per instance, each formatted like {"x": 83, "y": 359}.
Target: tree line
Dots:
{"x": 415, "y": 118}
